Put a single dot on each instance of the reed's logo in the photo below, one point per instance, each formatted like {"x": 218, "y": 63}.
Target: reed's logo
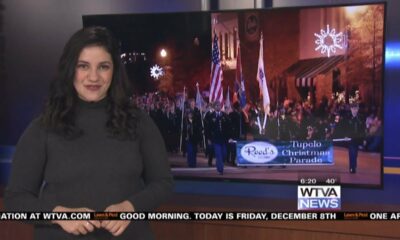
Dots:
{"x": 318, "y": 197}
{"x": 259, "y": 152}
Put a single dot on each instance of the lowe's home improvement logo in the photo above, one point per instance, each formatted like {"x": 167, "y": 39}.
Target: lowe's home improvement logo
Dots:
{"x": 318, "y": 197}
{"x": 259, "y": 152}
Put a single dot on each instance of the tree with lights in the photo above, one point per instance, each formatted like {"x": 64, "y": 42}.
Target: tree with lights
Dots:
{"x": 364, "y": 63}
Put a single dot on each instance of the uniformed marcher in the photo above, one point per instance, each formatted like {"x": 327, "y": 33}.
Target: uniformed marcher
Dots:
{"x": 207, "y": 121}
{"x": 192, "y": 135}
{"x": 355, "y": 130}
{"x": 218, "y": 135}
{"x": 173, "y": 128}
{"x": 237, "y": 131}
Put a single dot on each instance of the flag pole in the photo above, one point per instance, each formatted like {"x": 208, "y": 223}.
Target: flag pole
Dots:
{"x": 278, "y": 118}
{"x": 265, "y": 119}
{"x": 201, "y": 116}
{"x": 183, "y": 110}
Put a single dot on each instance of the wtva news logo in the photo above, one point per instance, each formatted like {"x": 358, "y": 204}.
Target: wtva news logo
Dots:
{"x": 318, "y": 197}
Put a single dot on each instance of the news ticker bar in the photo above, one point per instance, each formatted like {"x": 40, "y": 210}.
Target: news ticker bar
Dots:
{"x": 198, "y": 216}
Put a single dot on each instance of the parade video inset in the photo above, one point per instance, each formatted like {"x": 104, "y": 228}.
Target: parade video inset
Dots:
{"x": 261, "y": 95}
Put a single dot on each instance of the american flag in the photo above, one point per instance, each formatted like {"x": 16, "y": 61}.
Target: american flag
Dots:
{"x": 216, "y": 74}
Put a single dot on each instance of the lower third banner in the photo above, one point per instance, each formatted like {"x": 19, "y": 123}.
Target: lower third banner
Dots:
{"x": 262, "y": 153}
{"x": 197, "y": 216}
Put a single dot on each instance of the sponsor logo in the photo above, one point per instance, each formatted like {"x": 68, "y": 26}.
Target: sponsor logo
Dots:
{"x": 259, "y": 152}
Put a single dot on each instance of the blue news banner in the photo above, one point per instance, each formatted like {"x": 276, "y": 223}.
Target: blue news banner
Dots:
{"x": 263, "y": 153}
{"x": 318, "y": 197}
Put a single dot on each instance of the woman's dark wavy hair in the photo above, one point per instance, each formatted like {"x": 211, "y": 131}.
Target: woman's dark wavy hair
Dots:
{"x": 59, "y": 113}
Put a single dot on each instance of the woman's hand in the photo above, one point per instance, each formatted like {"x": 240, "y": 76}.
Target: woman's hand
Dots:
{"x": 76, "y": 227}
{"x": 117, "y": 227}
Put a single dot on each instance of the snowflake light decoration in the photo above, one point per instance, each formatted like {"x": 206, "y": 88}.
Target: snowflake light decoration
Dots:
{"x": 327, "y": 41}
{"x": 156, "y": 71}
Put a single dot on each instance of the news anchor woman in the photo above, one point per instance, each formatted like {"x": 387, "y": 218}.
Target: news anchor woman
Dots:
{"x": 90, "y": 150}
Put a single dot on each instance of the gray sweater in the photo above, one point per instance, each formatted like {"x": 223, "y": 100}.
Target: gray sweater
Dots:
{"x": 91, "y": 171}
